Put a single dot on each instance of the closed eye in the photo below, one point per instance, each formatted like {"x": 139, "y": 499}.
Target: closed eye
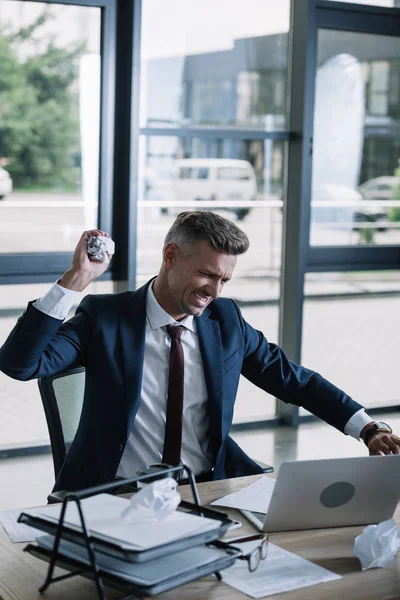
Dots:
{"x": 212, "y": 275}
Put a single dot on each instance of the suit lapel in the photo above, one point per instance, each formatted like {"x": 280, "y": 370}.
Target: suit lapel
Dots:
{"x": 132, "y": 325}
{"x": 211, "y": 353}
{"x": 133, "y": 332}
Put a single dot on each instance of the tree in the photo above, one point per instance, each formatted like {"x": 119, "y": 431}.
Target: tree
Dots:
{"x": 39, "y": 119}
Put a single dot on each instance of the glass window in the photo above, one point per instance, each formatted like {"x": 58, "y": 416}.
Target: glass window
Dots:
{"x": 228, "y": 70}
{"x": 192, "y": 172}
{"x": 218, "y": 73}
{"x": 253, "y": 404}
{"x": 260, "y": 96}
{"x": 49, "y": 124}
{"x": 377, "y": 100}
{"x": 185, "y": 173}
{"x": 255, "y": 204}
{"x": 350, "y": 333}
{"x": 356, "y": 152}
{"x": 22, "y": 420}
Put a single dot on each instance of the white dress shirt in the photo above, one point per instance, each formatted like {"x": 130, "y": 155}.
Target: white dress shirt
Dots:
{"x": 146, "y": 440}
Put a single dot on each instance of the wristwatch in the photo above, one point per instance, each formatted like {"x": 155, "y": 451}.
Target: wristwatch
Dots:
{"x": 376, "y": 428}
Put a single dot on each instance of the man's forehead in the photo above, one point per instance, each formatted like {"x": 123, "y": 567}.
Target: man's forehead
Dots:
{"x": 219, "y": 264}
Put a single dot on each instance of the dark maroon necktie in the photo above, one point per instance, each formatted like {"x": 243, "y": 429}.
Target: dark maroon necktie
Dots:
{"x": 173, "y": 426}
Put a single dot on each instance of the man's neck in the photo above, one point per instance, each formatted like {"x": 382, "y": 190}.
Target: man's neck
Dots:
{"x": 158, "y": 286}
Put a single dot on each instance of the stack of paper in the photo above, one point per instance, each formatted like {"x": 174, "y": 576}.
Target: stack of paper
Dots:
{"x": 147, "y": 573}
{"x": 103, "y": 518}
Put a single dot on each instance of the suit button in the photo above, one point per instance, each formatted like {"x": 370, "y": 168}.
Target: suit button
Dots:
{"x": 121, "y": 447}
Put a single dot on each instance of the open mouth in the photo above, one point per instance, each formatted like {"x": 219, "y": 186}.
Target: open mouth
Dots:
{"x": 201, "y": 300}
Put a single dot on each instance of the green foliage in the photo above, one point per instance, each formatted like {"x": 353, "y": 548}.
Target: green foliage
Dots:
{"x": 366, "y": 235}
{"x": 396, "y": 191}
{"x": 39, "y": 120}
{"x": 394, "y": 212}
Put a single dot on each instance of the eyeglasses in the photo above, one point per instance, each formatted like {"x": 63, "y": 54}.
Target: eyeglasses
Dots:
{"x": 258, "y": 553}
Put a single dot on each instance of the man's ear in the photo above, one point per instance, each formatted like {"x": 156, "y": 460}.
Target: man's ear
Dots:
{"x": 170, "y": 254}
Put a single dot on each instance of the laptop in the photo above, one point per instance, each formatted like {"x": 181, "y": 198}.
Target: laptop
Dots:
{"x": 336, "y": 492}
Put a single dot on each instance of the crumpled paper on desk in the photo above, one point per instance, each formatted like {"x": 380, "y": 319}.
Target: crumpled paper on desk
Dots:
{"x": 377, "y": 545}
{"x": 154, "y": 502}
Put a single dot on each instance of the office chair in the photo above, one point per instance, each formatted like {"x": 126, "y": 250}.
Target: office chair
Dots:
{"x": 62, "y": 398}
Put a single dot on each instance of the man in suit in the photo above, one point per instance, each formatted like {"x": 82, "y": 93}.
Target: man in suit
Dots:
{"x": 124, "y": 344}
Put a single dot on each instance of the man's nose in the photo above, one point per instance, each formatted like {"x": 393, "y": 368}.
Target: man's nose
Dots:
{"x": 214, "y": 289}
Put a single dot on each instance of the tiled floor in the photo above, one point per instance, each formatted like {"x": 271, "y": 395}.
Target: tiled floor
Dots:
{"x": 27, "y": 481}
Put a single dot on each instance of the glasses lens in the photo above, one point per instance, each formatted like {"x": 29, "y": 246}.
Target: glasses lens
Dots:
{"x": 254, "y": 559}
{"x": 264, "y": 548}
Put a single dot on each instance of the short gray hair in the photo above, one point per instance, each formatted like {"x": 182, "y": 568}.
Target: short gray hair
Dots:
{"x": 195, "y": 226}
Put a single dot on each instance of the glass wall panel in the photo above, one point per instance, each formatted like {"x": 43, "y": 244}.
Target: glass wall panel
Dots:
{"x": 253, "y": 404}
{"x": 241, "y": 180}
{"x": 351, "y": 335}
{"x": 220, "y": 63}
{"x": 356, "y": 154}
{"x": 49, "y": 124}
{"x": 22, "y": 420}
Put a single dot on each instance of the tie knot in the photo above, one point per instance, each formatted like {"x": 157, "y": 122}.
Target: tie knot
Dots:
{"x": 175, "y": 331}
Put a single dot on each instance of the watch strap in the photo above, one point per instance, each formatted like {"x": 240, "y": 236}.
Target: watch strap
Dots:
{"x": 373, "y": 430}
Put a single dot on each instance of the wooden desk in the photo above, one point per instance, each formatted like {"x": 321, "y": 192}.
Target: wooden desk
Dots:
{"x": 21, "y": 574}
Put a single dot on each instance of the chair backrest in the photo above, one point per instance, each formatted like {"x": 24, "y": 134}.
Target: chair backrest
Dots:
{"x": 62, "y": 397}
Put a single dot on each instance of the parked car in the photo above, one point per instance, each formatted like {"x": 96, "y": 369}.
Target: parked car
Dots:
{"x": 5, "y": 183}
{"x": 379, "y": 189}
{"x": 210, "y": 179}
{"x": 341, "y": 216}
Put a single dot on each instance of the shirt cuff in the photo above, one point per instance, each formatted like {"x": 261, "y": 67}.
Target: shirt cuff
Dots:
{"x": 356, "y": 423}
{"x": 57, "y": 302}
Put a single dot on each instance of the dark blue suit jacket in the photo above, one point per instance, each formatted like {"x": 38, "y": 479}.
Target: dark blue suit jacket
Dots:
{"x": 107, "y": 336}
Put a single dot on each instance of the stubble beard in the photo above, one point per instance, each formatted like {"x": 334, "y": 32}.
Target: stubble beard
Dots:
{"x": 190, "y": 310}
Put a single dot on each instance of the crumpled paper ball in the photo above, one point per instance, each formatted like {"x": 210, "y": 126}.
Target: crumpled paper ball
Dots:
{"x": 377, "y": 545}
{"x": 154, "y": 502}
{"x": 100, "y": 246}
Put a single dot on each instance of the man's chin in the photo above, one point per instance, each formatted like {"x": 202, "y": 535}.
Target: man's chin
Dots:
{"x": 194, "y": 311}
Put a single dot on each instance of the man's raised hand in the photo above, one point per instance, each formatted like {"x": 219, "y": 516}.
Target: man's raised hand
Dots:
{"x": 85, "y": 268}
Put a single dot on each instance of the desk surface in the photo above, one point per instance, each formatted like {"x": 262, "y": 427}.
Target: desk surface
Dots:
{"x": 21, "y": 574}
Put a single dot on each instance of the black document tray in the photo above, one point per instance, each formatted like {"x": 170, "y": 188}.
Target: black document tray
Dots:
{"x": 94, "y": 544}
{"x": 131, "y": 555}
{"x": 223, "y": 558}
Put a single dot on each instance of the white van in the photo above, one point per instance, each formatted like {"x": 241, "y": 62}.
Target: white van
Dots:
{"x": 210, "y": 179}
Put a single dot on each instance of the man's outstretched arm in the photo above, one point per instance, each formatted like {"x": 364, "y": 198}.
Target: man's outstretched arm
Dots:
{"x": 40, "y": 343}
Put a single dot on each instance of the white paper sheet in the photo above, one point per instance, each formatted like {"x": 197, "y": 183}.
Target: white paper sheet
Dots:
{"x": 281, "y": 571}
{"x": 103, "y": 517}
{"x": 17, "y": 532}
{"x": 143, "y": 573}
{"x": 255, "y": 497}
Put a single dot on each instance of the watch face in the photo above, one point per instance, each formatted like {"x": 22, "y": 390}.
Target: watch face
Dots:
{"x": 384, "y": 426}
